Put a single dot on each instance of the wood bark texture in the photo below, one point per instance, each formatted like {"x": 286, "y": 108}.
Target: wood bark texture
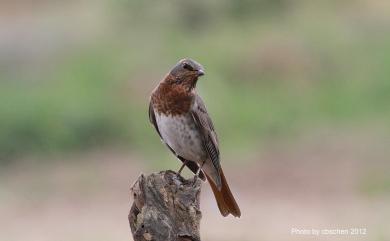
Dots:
{"x": 165, "y": 208}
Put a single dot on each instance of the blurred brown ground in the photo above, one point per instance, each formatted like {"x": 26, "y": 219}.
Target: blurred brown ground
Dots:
{"x": 307, "y": 184}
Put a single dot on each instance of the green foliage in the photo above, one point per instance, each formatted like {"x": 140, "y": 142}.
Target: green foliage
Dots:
{"x": 266, "y": 75}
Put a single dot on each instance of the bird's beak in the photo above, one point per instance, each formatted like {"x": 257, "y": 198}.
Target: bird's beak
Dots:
{"x": 200, "y": 72}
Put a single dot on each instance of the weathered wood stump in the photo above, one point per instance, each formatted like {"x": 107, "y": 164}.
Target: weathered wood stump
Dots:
{"x": 165, "y": 208}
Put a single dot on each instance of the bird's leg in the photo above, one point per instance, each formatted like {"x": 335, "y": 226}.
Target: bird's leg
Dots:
{"x": 182, "y": 166}
{"x": 197, "y": 172}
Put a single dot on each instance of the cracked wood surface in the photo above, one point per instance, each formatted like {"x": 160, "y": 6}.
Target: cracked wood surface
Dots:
{"x": 165, "y": 208}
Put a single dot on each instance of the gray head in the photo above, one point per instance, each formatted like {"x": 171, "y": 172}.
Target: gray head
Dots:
{"x": 187, "y": 67}
{"x": 185, "y": 73}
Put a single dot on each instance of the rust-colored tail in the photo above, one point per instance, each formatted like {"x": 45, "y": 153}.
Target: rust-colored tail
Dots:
{"x": 225, "y": 200}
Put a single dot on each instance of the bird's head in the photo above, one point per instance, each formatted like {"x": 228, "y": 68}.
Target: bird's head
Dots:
{"x": 186, "y": 73}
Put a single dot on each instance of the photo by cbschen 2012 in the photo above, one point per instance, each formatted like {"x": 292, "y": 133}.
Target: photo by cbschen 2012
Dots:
{"x": 294, "y": 143}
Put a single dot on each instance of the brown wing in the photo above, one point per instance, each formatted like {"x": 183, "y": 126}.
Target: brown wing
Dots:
{"x": 206, "y": 128}
{"x": 193, "y": 166}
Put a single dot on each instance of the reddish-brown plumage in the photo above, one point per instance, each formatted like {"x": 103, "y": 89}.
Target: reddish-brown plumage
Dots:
{"x": 225, "y": 200}
{"x": 172, "y": 99}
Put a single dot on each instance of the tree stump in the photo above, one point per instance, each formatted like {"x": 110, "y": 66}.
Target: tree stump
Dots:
{"x": 165, "y": 208}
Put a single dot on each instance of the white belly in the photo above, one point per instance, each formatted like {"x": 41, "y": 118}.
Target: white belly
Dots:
{"x": 181, "y": 134}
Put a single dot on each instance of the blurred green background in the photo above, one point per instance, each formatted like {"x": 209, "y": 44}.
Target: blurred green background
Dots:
{"x": 299, "y": 92}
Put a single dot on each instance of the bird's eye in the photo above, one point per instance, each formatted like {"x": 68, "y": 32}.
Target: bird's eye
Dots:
{"x": 188, "y": 67}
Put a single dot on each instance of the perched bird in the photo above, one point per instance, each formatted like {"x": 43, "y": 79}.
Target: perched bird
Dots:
{"x": 181, "y": 119}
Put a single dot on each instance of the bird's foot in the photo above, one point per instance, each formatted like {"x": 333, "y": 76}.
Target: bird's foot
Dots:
{"x": 196, "y": 176}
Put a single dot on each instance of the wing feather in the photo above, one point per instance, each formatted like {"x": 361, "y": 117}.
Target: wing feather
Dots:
{"x": 206, "y": 128}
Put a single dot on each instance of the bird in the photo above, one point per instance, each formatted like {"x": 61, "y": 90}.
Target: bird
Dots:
{"x": 180, "y": 118}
